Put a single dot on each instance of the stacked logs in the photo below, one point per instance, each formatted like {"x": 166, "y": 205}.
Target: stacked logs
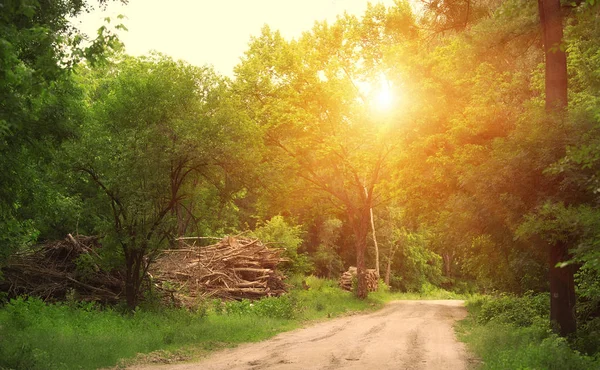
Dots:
{"x": 349, "y": 276}
{"x": 233, "y": 268}
{"x": 61, "y": 269}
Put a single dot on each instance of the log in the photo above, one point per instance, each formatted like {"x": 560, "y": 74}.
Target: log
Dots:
{"x": 249, "y": 269}
{"x": 347, "y": 278}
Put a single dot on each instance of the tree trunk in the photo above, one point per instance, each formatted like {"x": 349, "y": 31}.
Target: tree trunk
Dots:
{"x": 388, "y": 272}
{"x": 390, "y": 258}
{"x": 130, "y": 294}
{"x": 361, "y": 229}
{"x": 562, "y": 291}
{"x": 374, "y": 235}
{"x": 562, "y": 287}
{"x": 133, "y": 262}
{"x": 375, "y": 242}
{"x": 556, "y": 59}
{"x": 447, "y": 264}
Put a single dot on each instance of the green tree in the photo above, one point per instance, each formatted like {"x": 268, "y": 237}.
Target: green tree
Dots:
{"x": 306, "y": 95}
{"x": 39, "y": 108}
{"x": 156, "y": 126}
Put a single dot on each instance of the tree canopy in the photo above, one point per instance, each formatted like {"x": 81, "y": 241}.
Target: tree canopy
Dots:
{"x": 450, "y": 131}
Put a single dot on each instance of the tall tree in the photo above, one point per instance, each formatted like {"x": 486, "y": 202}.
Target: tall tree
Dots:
{"x": 307, "y": 95}
{"x": 39, "y": 104}
{"x": 562, "y": 285}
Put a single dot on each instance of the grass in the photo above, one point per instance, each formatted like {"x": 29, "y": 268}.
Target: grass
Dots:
{"x": 35, "y": 335}
{"x": 514, "y": 333}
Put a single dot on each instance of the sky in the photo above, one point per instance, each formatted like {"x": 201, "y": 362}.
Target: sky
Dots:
{"x": 214, "y": 32}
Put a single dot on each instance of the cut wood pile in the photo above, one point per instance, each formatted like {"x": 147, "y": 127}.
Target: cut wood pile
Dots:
{"x": 233, "y": 268}
{"x": 57, "y": 270}
{"x": 350, "y": 275}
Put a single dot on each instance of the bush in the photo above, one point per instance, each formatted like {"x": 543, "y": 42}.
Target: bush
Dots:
{"x": 240, "y": 308}
{"x": 520, "y": 311}
{"x": 588, "y": 337}
{"x": 288, "y": 237}
{"x": 417, "y": 265}
{"x": 273, "y": 307}
{"x": 327, "y": 262}
{"x": 505, "y": 346}
{"x": 510, "y": 332}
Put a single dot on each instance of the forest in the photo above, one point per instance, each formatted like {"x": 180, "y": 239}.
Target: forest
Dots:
{"x": 452, "y": 146}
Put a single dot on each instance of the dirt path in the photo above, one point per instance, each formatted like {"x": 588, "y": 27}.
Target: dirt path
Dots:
{"x": 403, "y": 335}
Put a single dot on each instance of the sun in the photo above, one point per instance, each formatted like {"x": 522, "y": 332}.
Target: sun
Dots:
{"x": 383, "y": 97}
{"x": 380, "y": 95}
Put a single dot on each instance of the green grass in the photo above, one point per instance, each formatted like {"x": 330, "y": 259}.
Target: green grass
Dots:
{"x": 39, "y": 336}
{"x": 514, "y": 333}
{"x": 35, "y": 335}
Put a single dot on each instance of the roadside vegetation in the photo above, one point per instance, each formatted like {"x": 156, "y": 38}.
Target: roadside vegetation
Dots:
{"x": 75, "y": 335}
{"x": 510, "y": 332}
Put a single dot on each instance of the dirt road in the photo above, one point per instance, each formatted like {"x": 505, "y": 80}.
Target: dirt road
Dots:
{"x": 403, "y": 335}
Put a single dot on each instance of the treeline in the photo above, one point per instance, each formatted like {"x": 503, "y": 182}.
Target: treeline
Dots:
{"x": 467, "y": 179}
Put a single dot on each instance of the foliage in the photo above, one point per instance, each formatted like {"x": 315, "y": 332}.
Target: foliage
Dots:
{"x": 39, "y": 107}
{"x": 155, "y": 128}
{"x": 327, "y": 262}
{"x": 37, "y": 335}
{"x": 283, "y": 235}
{"x": 502, "y": 346}
{"x": 468, "y": 177}
{"x": 273, "y": 307}
{"x": 326, "y": 259}
{"x": 522, "y": 311}
{"x": 417, "y": 265}
{"x": 317, "y": 123}
{"x": 514, "y": 333}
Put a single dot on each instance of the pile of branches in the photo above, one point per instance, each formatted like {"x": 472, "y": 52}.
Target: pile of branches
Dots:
{"x": 349, "y": 276}
{"x": 61, "y": 269}
{"x": 233, "y": 268}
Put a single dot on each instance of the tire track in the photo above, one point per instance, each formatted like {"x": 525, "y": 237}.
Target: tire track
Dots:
{"x": 407, "y": 335}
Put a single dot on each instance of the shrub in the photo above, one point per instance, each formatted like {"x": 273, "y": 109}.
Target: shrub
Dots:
{"x": 288, "y": 237}
{"x": 588, "y": 337}
{"x": 520, "y": 311}
{"x": 418, "y": 265}
{"x": 510, "y": 332}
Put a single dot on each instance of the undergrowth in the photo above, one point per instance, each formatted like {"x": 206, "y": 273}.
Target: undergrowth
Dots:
{"x": 510, "y": 332}
{"x": 36, "y": 335}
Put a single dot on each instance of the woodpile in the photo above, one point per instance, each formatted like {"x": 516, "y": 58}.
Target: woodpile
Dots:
{"x": 349, "y": 276}
{"x": 233, "y": 268}
{"x": 57, "y": 270}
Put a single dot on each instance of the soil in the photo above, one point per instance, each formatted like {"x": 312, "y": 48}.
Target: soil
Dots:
{"x": 403, "y": 335}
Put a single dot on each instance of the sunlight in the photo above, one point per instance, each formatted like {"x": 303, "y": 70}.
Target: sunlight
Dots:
{"x": 383, "y": 97}
{"x": 380, "y": 95}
